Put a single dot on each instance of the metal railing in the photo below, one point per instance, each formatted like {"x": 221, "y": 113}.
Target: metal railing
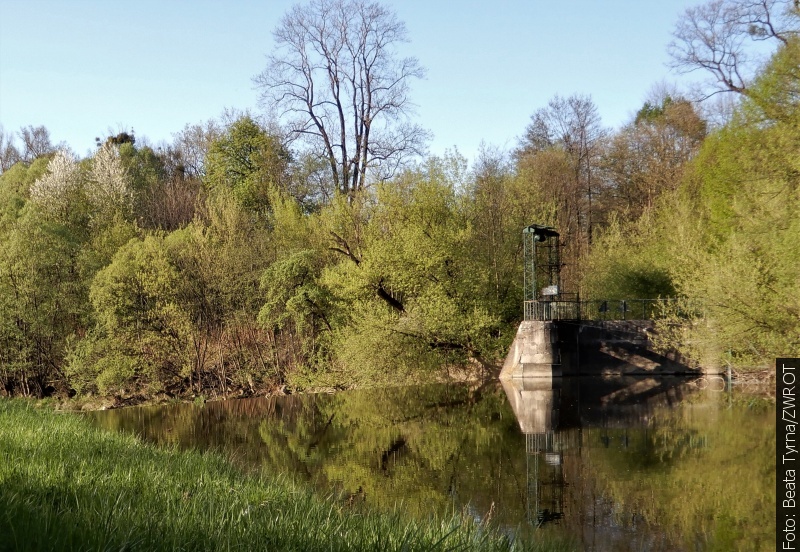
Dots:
{"x": 595, "y": 309}
{"x": 552, "y": 310}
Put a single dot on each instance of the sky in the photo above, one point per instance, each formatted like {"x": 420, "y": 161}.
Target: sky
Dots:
{"x": 89, "y": 68}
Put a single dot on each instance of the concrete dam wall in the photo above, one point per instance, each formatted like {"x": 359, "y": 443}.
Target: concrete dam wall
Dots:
{"x": 596, "y": 347}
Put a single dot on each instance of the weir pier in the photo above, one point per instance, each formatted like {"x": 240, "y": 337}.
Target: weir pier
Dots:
{"x": 573, "y": 347}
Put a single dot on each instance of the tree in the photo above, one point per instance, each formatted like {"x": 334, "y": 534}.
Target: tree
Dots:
{"x": 647, "y": 156}
{"x": 108, "y": 185}
{"x": 166, "y": 197}
{"x": 54, "y": 191}
{"x": 35, "y": 142}
{"x": 725, "y": 241}
{"x": 248, "y": 161}
{"x": 190, "y": 147}
{"x": 413, "y": 293}
{"x": 8, "y": 151}
{"x": 141, "y": 339}
{"x": 713, "y": 37}
{"x": 41, "y": 303}
{"x": 338, "y": 81}
{"x": 560, "y": 152}
{"x": 499, "y": 205}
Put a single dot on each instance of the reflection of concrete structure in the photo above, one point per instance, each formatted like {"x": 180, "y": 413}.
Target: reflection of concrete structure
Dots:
{"x": 557, "y": 415}
{"x": 536, "y": 403}
{"x": 569, "y": 403}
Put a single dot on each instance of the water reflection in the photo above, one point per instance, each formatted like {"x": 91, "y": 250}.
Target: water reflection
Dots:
{"x": 619, "y": 463}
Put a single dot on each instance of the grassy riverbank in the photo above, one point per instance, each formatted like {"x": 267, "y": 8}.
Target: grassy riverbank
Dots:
{"x": 67, "y": 486}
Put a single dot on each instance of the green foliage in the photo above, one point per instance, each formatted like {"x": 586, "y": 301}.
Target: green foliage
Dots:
{"x": 225, "y": 251}
{"x": 629, "y": 261}
{"x": 41, "y": 302}
{"x": 146, "y": 171}
{"x": 266, "y": 280}
{"x": 142, "y": 329}
{"x": 220, "y": 261}
{"x": 742, "y": 267}
{"x": 248, "y": 161}
{"x": 499, "y": 203}
{"x": 17, "y": 180}
{"x": 294, "y": 294}
{"x": 726, "y": 239}
{"x": 415, "y": 292}
{"x": 95, "y": 363}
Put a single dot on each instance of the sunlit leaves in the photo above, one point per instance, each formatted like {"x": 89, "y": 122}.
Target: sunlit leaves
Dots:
{"x": 726, "y": 239}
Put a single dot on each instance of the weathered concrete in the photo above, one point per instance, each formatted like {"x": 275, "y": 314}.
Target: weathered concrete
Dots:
{"x": 534, "y": 352}
{"x": 614, "y": 347}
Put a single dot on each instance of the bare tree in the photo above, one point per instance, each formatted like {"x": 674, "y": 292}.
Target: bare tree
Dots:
{"x": 571, "y": 126}
{"x": 190, "y": 147}
{"x": 715, "y": 37}
{"x": 337, "y": 80}
{"x": 35, "y": 142}
{"x": 8, "y": 151}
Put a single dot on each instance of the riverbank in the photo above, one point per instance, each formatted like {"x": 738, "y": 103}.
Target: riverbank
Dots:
{"x": 470, "y": 372}
{"x": 68, "y": 486}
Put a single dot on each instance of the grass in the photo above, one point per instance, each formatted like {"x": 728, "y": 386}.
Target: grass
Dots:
{"x": 65, "y": 485}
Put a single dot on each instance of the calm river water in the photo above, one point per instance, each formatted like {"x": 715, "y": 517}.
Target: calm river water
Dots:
{"x": 620, "y": 464}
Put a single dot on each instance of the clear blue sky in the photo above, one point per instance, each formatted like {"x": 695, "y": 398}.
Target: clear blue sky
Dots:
{"x": 82, "y": 67}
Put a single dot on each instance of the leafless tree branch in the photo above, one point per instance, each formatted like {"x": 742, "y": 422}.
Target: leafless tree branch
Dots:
{"x": 337, "y": 76}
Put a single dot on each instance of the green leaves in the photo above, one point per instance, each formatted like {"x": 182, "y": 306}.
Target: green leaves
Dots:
{"x": 143, "y": 331}
{"x": 41, "y": 302}
{"x": 249, "y": 162}
{"x": 726, "y": 239}
{"x": 294, "y": 294}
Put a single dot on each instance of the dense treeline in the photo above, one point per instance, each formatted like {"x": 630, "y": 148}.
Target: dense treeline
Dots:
{"x": 240, "y": 258}
{"x": 122, "y": 274}
{"x": 727, "y": 239}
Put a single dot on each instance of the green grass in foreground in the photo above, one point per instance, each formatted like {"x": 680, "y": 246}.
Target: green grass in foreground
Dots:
{"x": 67, "y": 486}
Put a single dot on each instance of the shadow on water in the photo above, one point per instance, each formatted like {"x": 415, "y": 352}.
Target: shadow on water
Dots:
{"x": 620, "y": 463}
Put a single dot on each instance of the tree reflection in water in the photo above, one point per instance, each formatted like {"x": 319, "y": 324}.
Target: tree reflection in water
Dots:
{"x": 620, "y": 463}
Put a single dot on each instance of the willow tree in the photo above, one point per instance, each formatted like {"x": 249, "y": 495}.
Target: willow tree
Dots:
{"x": 338, "y": 82}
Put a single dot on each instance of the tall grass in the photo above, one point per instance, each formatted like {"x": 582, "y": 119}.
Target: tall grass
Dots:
{"x": 67, "y": 486}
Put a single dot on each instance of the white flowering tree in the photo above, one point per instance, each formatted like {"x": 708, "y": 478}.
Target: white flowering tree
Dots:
{"x": 54, "y": 191}
{"x": 108, "y": 182}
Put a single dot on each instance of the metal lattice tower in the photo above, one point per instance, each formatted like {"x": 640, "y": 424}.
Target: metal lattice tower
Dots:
{"x": 542, "y": 262}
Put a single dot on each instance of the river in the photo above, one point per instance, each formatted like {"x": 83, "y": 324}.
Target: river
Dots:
{"x": 617, "y": 464}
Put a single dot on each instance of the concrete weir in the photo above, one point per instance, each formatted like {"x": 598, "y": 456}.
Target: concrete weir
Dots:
{"x": 535, "y": 352}
{"x": 554, "y": 348}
